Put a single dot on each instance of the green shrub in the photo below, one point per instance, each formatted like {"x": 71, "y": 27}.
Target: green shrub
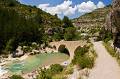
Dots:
{"x": 49, "y": 73}
{"x": 107, "y": 37}
{"x": 85, "y": 62}
{"x": 81, "y": 51}
{"x": 56, "y": 68}
{"x": 70, "y": 33}
{"x": 59, "y": 77}
{"x": 43, "y": 74}
{"x": 82, "y": 59}
{"x": 69, "y": 70}
{"x": 109, "y": 48}
{"x": 16, "y": 77}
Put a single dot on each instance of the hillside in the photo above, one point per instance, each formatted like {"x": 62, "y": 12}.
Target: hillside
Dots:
{"x": 21, "y": 25}
{"x": 31, "y": 12}
{"x": 94, "y": 20}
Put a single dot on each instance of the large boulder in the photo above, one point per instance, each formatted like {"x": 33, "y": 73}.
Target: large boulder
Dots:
{"x": 18, "y": 53}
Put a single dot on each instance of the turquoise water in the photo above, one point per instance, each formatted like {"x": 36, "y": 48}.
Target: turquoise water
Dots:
{"x": 36, "y": 61}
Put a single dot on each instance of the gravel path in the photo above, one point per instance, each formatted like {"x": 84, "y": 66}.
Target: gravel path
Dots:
{"x": 106, "y": 67}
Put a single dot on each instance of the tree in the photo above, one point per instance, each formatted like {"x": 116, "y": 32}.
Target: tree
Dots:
{"x": 9, "y": 45}
{"x": 67, "y": 22}
{"x": 57, "y": 36}
{"x": 26, "y": 25}
{"x": 70, "y": 33}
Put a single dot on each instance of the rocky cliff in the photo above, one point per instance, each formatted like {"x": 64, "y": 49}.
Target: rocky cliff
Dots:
{"x": 91, "y": 22}
{"x": 113, "y": 22}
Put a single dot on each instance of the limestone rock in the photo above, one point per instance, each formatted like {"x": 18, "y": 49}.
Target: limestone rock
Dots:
{"x": 116, "y": 3}
{"x": 113, "y": 22}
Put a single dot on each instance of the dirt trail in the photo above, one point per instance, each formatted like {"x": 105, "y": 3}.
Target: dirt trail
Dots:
{"x": 106, "y": 67}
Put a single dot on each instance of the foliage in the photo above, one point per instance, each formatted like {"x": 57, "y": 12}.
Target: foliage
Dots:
{"x": 67, "y": 22}
{"x": 27, "y": 49}
{"x": 69, "y": 69}
{"x": 85, "y": 62}
{"x": 105, "y": 35}
{"x": 9, "y": 45}
{"x": 80, "y": 51}
{"x": 43, "y": 74}
{"x": 49, "y": 73}
{"x": 16, "y": 77}
{"x": 82, "y": 59}
{"x": 22, "y": 24}
{"x": 70, "y": 33}
{"x": 56, "y": 68}
{"x": 70, "y": 30}
{"x": 57, "y": 36}
{"x": 109, "y": 48}
{"x": 17, "y": 29}
{"x": 59, "y": 76}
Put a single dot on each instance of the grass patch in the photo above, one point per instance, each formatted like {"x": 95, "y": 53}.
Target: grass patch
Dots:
{"x": 109, "y": 49}
{"x": 59, "y": 76}
{"x": 68, "y": 70}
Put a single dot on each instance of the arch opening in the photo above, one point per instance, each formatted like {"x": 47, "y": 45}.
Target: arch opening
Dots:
{"x": 63, "y": 49}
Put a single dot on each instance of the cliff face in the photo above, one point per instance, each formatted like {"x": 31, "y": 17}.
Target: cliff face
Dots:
{"x": 92, "y": 21}
{"x": 113, "y": 22}
{"x": 116, "y": 3}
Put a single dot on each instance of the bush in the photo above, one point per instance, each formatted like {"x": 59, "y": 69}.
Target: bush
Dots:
{"x": 59, "y": 77}
{"x": 56, "y": 68}
{"x": 81, "y": 51}
{"x": 70, "y": 33}
{"x": 16, "y": 77}
{"x": 82, "y": 58}
{"x": 49, "y": 73}
{"x": 86, "y": 62}
{"x": 105, "y": 35}
{"x": 43, "y": 74}
{"x": 68, "y": 70}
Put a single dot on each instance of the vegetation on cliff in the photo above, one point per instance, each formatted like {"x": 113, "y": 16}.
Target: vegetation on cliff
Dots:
{"x": 92, "y": 23}
{"x": 21, "y": 25}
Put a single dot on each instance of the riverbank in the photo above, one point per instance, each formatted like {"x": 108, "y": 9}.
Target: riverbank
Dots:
{"x": 35, "y": 72}
{"x": 40, "y": 60}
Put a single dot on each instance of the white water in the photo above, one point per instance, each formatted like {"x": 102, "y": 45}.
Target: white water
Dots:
{"x": 2, "y": 71}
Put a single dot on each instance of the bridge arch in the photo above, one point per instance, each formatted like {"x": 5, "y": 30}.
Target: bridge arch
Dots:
{"x": 71, "y": 46}
{"x": 63, "y": 49}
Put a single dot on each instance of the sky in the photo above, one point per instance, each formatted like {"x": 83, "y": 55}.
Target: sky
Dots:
{"x": 70, "y": 8}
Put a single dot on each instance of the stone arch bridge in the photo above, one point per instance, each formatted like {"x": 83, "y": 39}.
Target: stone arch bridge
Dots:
{"x": 70, "y": 45}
